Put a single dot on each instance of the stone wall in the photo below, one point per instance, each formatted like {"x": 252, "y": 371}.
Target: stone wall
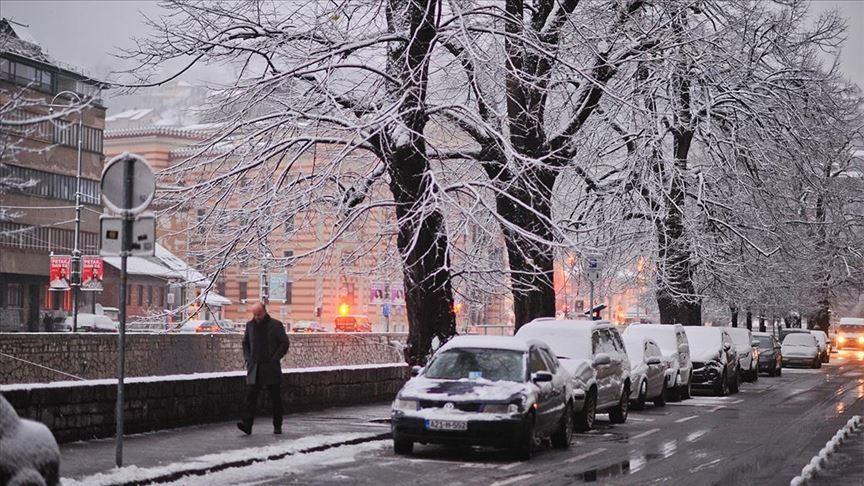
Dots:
{"x": 94, "y": 355}
{"x": 85, "y": 410}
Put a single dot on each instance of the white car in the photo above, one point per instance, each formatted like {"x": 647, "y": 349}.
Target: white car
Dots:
{"x": 593, "y": 352}
{"x": 647, "y": 371}
{"x": 748, "y": 356}
{"x": 822, "y": 341}
{"x": 91, "y": 323}
{"x": 672, "y": 341}
{"x": 802, "y": 349}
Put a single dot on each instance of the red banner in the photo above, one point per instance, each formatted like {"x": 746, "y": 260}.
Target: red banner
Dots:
{"x": 61, "y": 271}
{"x": 91, "y": 273}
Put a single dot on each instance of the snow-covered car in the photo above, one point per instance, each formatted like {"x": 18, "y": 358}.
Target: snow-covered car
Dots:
{"x": 91, "y": 323}
{"x": 715, "y": 359}
{"x": 850, "y": 334}
{"x": 673, "y": 343}
{"x": 593, "y": 352}
{"x": 648, "y": 369}
{"x": 499, "y": 391}
{"x": 748, "y": 352}
{"x": 801, "y": 349}
{"x": 822, "y": 341}
{"x": 307, "y": 327}
{"x": 770, "y": 354}
{"x": 28, "y": 450}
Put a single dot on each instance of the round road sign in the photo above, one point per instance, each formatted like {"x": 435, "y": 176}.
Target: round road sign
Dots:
{"x": 113, "y": 182}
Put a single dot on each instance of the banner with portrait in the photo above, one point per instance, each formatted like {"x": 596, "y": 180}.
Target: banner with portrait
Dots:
{"x": 91, "y": 273}
{"x": 60, "y": 276}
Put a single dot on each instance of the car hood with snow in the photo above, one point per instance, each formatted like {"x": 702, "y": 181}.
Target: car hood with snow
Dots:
{"x": 706, "y": 343}
{"x": 463, "y": 390}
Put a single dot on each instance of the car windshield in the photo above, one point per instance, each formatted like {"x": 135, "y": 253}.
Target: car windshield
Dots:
{"x": 705, "y": 342}
{"x": 635, "y": 349}
{"x": 740, "y": 337}
{"x": 664, "y": 339}
{"x": 490, "y": 364}
{"x": 799, "y": 339}
{"x": 764, "y": 342}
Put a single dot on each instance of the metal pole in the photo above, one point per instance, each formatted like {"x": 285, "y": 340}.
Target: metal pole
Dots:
{"x": 591, "y": 302}
{"x": 76, "y": 252}
{"x": 128, "y": 178}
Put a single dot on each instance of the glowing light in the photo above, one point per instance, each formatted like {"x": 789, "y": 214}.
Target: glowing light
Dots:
{"x": 457, "y": 307}
{"x": 344, "y": 309}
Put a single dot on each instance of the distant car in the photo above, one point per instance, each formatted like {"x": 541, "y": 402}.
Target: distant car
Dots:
{"x": 715, "y": 359}
{"x": 748, "y": 356}
{"x": 850, "y": 335}
{"x": 200, "y": 326}
{"x": 307, "y": 327}
{"x": 801, "y": 349}
{"x": 352, "y": 324}
{"x": 673, "y": 342}
{"x": 648, "y": 369}
{"x": 824, "y": 346}
{"x": 498, "y": 391}
{"x": 594, "y": 354}
{"x": 791, "y": 330}
{"x": 770, "y": 354}
{"x": 91, "y": 323}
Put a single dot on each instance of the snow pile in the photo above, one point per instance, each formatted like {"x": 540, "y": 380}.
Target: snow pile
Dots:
{"x": 28, "y": 452}
{"x": 814, "y": 467}
{"x": 131, "y": 474}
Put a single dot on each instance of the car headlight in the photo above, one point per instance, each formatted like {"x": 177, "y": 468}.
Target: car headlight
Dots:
{"x": 508, "y": 408}
{"x": 860, "y": 339}
{"x": 406, "y": 405}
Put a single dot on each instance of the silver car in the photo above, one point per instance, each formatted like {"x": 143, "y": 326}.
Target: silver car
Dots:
{"x": 648, "y": 369}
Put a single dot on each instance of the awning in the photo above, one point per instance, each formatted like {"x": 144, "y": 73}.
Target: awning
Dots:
{"x": 214, "y": 299}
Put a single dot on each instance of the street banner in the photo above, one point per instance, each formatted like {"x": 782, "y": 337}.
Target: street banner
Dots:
{"x": 397, "y": 294}
{"x": 376, "y": 294}
{"x": 61, "y": 271}
{"x": 91, "y": 273}
{"x": 279, "y": 286}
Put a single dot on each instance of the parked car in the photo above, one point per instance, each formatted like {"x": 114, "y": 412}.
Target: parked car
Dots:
{"x": 594, "y": 354}
{"x": 648, "y": 370}
{"x": 824, "y": 346}
{"x": 307, "y": 327}
{"x": 801, "y": 349}
{"x": 200, "y": 326}
{"x": 353, "y": 324}
{"x": 850, "y": 334}
{"x": 792, "y": 330}
{"x": 748, "y": 354}
{"x": 715, "y": 359}
{"x": 89, "y": 323}
{"x": 672, "y": 341}
{"x": 499, "y": 391}
{"x": 770, "y": 354}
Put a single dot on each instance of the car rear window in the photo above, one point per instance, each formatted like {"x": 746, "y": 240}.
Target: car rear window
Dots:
{"x": 764, "y": 342}
{"x": 473, "y": 363}
{"x": 800, "y": 339}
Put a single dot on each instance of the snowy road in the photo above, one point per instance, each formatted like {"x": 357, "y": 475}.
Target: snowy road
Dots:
{"x": 763, "y": 435}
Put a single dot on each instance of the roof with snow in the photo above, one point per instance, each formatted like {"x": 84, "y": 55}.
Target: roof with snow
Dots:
{"x": 163, "y": 264}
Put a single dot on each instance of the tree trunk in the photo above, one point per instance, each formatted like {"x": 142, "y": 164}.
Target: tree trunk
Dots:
{"x": 749, "y": 319}
{"x": 820, "y": 319}
{"x": 734, "y": 315}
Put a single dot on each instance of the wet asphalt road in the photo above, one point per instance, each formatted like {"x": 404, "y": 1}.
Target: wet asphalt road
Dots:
{"x": 763, "y": 435}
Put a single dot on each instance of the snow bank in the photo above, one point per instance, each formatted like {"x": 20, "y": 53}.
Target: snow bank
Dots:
{"x": 28, "y": 452}
{"x": 814, "y": 467}
{"x": 191, "y": 376}
{"x": 128, "y": 474}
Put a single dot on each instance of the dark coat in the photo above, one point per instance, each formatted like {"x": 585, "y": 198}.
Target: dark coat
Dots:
{"x": 263, "y": 366}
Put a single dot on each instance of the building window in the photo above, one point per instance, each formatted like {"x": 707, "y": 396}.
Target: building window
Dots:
{"x": 149, "y": 295}
{"x": 161, "y": 293}
{"x": 66, "y": 133}
{"x": 288, "y": 289}
{"x": 220, "y": 287}
{"x": 13, "y": 295}
{"x": 25, "y": 74}
{"x": 47, "y": 184}
{"x": 242, "y": 291}
{"x": 199, "y": 221}
{"x": 140, "y": 295}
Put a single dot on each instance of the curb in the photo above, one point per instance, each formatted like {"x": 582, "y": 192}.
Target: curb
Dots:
{"x": 176, "y": 475}
{"x": 814, "y": 467}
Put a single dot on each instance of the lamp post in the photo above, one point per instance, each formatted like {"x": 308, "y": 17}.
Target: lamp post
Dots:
{"x": 76, "y": 251}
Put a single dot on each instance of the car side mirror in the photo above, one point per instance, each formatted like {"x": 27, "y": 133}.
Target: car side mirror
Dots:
{"x": 755, "y": 343}
{"x": 416, "y": 370}
{"x": 653, "y": 360}
{"x": 602, "y": 359}
{"x": 727, "y": 346}
{"x": 541, "y": 377}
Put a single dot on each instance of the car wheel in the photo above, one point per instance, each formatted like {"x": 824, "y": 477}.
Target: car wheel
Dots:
{"x": 660, "y": 400}
{"x": 685, "y": 390}
{"x": 826, "y": 358}
{"x": 402, "y": 447}
{"x": 584, "y": 420}
{"x": 755, "y": 374}
{"x": 618, "y": 414}
{"x": 779, "y": 370}
{"x": 735, "y": 385}
{"x": 639, "y": 403}
{"x": 675, "y": 391}
{"x": 562, "y": 437}
{"x": 526, "y": 446}
{"x": 721, "y": 388}
{"x": 818, "y": 363}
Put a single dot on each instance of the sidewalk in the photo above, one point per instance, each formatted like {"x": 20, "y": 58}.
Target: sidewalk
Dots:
{"x": 845, "y": 466}
{"x": 200, "y": 447}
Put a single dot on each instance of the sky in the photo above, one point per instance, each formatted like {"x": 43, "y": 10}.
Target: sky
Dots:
{"x": 87, "y": 33}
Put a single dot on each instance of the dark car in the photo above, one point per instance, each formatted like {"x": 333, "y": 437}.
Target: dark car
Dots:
{"x": 715, "y": 359}
{"x": 502, "y": 392}
{"x": 770, "y": 354}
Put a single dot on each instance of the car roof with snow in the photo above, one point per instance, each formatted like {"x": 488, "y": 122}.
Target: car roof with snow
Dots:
{"x": 652, "y": 327}
{"x": 511, "y": 343}
{"x": 550, "y": 323}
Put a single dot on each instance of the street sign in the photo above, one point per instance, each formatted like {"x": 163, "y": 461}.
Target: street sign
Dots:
{"x": 113, "y": 183}
{"x": 593, "y": 266}
{"x": 91, "y": 273}
{"x": 60, "y": 272}
{"x": 143, "y": 239}
{"x": 385, "y": 310}
{"x": 279, "y": 287}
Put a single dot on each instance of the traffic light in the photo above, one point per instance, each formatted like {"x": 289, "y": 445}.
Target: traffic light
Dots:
{"x": 344, "y": 309}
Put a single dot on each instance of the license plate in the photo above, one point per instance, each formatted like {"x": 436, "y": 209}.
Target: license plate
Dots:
{"x": 446, "y": 425}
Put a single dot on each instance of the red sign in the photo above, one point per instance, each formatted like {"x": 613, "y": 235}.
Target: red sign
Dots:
{"x": 60, "y": 276}
{"x": 91, "y": 273}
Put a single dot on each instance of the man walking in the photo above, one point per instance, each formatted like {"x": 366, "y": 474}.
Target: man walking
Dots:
{"x": 264, "y": 345}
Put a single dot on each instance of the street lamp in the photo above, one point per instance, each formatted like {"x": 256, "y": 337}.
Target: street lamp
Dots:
{"x": 76, "y": 251}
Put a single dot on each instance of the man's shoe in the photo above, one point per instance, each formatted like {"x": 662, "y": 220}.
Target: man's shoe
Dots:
{"x": 277, "y": 429}
{"x": 246, "y": 428}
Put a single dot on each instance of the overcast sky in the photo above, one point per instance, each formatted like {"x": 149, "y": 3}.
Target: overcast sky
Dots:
{"x": 86, "y": 33}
